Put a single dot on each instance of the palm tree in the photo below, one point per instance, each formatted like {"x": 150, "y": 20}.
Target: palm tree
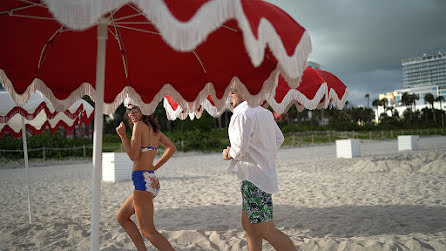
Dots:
{"x": 384, "y": 103}
{"x": 390, "y": 108}
{"x": 440, "y": 99}
{"x": 375, "y": 103}
{"x": 407, "y": 100}
{"x": 413, "y": 99}
{"x": 367, "y": 96}
{"x": 429, "y": 98}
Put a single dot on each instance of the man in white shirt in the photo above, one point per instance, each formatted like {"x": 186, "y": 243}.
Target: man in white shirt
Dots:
{"x": 254, "y": 138}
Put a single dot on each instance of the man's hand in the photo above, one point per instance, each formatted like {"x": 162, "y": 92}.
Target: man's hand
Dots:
{"x": 226, "y": 155}
{"x": 121, "y": 130}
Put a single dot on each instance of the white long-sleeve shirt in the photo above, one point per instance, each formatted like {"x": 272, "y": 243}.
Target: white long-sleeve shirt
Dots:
{"x": 254, "y": 138}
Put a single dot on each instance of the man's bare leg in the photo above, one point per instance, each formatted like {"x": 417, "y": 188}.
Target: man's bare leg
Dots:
{"x": 274, "y": 236}
{"x": 254, "y": 240}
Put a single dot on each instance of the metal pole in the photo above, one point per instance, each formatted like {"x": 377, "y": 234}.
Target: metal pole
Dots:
{"x": 25, "y": 155}
{"x": 97, "y": 137}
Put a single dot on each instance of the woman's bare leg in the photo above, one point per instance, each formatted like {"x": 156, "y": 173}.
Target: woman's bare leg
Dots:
{"x": 123, "y": 216}
{"x": 143, "y": 202}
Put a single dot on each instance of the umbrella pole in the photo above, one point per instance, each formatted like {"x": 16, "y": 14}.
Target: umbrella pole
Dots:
{"x": 97, "y": 137}
{"x": 25, "y": 156}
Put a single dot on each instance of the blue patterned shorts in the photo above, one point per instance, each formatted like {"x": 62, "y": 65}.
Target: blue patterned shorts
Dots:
{"x": 257, "y": 204}
{"x": 146, "y": 181}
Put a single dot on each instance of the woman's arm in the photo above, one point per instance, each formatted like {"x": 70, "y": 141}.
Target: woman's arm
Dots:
{"x": 131, "y": 148}
{"x": 170, "y": 148}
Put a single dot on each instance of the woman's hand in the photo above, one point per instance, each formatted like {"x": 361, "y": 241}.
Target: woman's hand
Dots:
{"x": 121, "y": 129}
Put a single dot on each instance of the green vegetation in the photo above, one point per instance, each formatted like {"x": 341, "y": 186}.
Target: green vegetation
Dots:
{"x": 53, "y": 144}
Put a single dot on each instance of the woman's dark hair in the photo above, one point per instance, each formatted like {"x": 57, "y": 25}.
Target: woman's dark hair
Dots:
{"x": 151, "y": 121}
{"x": 148, "y": 120}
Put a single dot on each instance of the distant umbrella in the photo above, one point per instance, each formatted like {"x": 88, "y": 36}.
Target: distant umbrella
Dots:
{"x": 37, "y": 115}
{"x": 318, "y": 90}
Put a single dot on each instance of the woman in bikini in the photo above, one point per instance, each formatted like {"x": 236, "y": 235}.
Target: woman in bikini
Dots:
{"x": 146, "y": 137}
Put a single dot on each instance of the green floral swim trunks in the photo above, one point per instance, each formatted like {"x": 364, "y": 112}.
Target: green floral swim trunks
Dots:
{"x": 257, "y": 204}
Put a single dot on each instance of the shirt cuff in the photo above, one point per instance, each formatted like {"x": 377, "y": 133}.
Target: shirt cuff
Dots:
{"x": 232, "y": 153}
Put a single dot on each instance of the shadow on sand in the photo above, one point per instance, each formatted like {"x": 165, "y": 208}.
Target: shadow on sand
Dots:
{"x": 343, "y": 221}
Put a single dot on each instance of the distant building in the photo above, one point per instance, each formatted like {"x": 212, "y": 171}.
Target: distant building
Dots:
{"x": 313, "y": 65}
{"x": 395, "y": 99}
{"x": 426, "y": 70}
{"x": 421, "y": 92}
{"x": 421, "y": 75}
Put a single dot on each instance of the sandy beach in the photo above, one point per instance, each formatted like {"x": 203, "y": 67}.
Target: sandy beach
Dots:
{"x": 383, "y": 200}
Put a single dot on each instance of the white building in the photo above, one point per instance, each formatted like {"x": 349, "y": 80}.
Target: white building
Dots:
{"x": 426, "y": 70}
{"x": 395, "y": 100}
{"x": 421, "y": 75}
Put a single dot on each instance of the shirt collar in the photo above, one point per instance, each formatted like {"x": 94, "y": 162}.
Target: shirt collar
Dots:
{"x": 240, "y": 106}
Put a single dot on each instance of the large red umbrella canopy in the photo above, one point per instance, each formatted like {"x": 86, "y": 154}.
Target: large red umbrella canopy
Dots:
{"x": 186, "y": 49}
{"x": 318, "y": 90}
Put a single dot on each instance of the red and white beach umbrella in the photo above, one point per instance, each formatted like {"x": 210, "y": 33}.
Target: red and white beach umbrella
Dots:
{"x": 35, "y": 116}
{"x": 38, "y": 114}
{"x": 317, "y": 90}
{"x": 146, "y": 49}
{"x": 174, "y": 111}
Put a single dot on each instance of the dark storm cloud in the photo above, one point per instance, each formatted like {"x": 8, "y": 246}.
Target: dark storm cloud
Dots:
{"x": 371, "y": 82}
{"x": 363, "y": 42}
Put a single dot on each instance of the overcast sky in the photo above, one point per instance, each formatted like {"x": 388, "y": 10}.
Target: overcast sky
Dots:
{"x": 363, "y": 41}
